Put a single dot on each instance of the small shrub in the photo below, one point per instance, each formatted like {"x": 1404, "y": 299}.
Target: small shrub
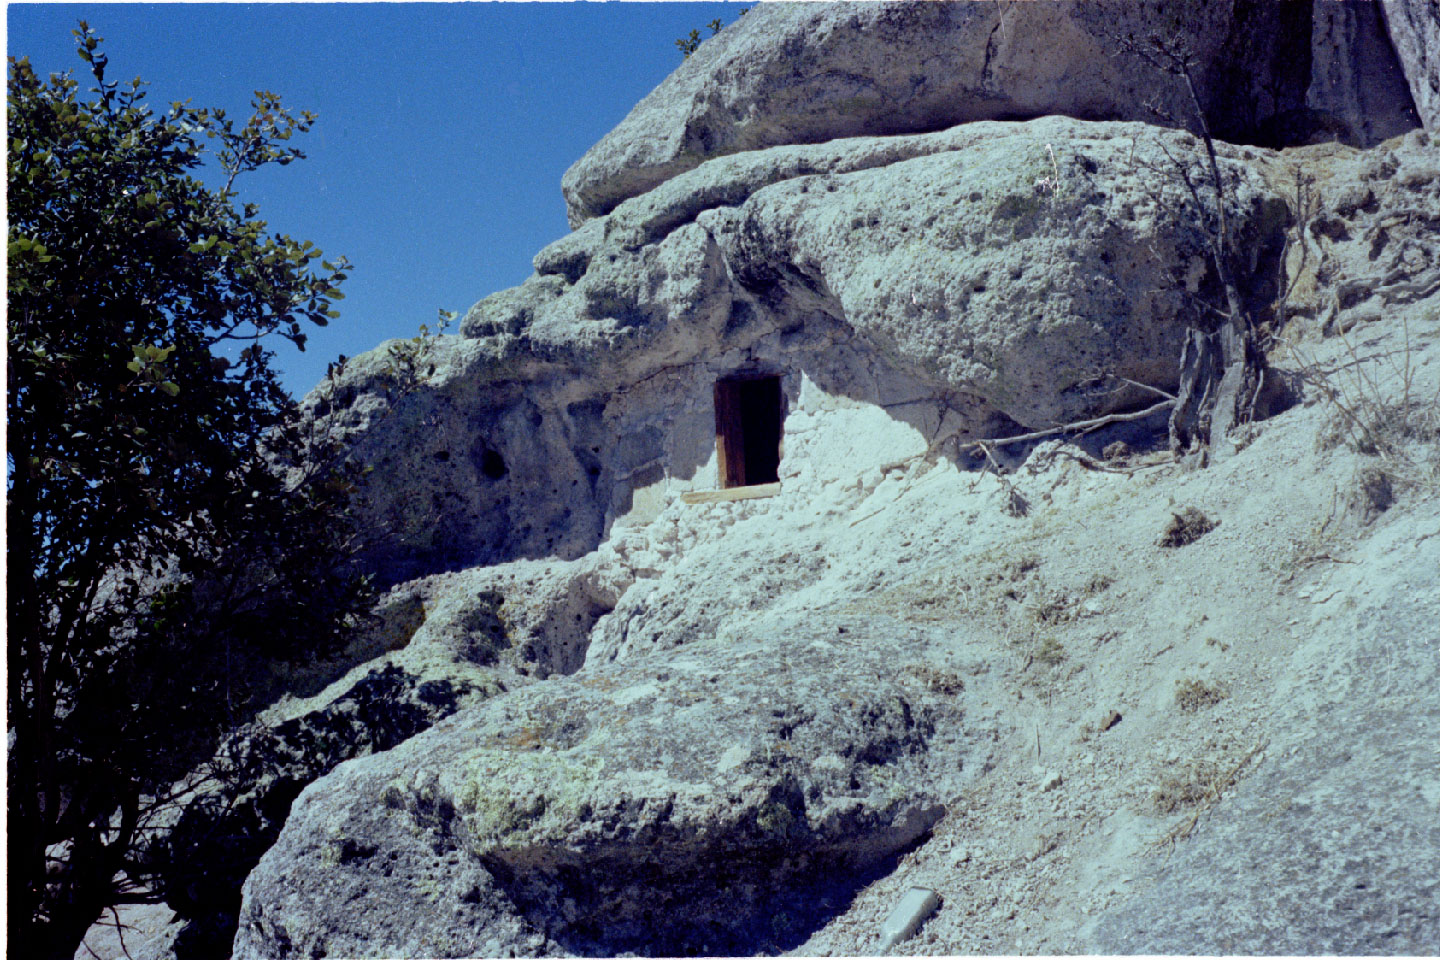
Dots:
{"x": 775, "y": 818}
{"x": 943, "y": 682}
{"x": 1192, "y": 695}
{"x": 1396, "y": 426}
{"x": 1052, "y": 610}
{"x": 1017, "y": 569}
{"x": 690, "y": 44}
{"x": 1373, "y": 493}
{"x": 1186, "y": 527}
{"x": 1189, "y": 786}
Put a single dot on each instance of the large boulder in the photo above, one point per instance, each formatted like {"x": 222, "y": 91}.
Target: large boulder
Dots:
{"x": 810, "y": 72}
{"x": 971, "y": 268}
{"x": 455, "y": 640}
{"x": 724, "y": 799}
{"x": 244, "y": 797}
{"x": 1415, "y": 30}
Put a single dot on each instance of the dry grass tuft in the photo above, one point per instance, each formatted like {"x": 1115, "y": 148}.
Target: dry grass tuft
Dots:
{"x": 1050, "y": 652}
{"x": 1377, "y": 412}
{"x": 1198, "y": 787}
{"x": 1192, "y": 695}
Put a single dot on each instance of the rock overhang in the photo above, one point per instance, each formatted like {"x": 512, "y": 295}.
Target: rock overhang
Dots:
{"x": 806, "y": 73}
{"x": 984, "y": 278}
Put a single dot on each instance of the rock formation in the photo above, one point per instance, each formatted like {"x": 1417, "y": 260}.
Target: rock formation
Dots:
{"x": 1357, "y": 87}
{"x": 806, "y": 73}
{"x": 1414, "y": 27}
{"x": 938, "y": 277}
{"x": 647, "y": 806}
{"x": 636, "y": 713}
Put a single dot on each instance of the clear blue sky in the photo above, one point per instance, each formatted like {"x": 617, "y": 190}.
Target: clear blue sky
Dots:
{"x": 443, "y": 129}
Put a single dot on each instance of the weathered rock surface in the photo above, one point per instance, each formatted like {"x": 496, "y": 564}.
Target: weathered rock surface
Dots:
{"x": 1358, "y": 92}
{"x": 973, "y": 282}
{"x": 806, "y": 73}
{"x": 1367, "y": 246}
{"x": 1415, "y": 30}
{"x": 627, "y": 723}
{"x": 722, "y": 800}
{"x": 1327, "y": 847}
{"x": 527, "y": 619}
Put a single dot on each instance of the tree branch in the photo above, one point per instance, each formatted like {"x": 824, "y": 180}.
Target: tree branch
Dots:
{"x": 1078, "y": 426}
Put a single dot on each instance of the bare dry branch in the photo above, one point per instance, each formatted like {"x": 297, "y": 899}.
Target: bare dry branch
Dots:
{"x": 1078, "y": 426}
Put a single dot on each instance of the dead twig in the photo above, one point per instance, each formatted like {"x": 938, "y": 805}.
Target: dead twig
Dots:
{"x": 1163, "y": 650}
{"x": 1090, "y": 463}
{"x": 1015, "y": 503}
{"x": 1143, "y": 386}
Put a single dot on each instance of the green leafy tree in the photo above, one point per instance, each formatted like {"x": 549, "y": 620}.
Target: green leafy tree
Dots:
{"x": 170, "y": 525}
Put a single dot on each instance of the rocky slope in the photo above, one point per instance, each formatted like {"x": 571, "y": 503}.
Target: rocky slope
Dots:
{"x": 1097, "y": 700}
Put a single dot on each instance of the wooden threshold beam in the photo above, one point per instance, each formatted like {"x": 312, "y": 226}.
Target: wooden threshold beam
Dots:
{"x": 754, "y": 492}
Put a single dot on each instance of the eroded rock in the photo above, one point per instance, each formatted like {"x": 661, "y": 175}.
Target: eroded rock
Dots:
{"x": 1414, "y": 27}
{"x": 245, "y": 796}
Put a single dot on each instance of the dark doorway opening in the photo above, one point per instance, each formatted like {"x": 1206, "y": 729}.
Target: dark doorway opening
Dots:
{"x": 748, "y": 416}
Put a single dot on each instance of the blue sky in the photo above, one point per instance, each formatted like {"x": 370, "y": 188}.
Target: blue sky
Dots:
{"x": 443, "y": 129}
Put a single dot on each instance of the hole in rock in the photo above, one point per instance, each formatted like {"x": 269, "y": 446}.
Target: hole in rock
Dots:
{"x": 493, "y": 465}
{"x": 748, "y": 415}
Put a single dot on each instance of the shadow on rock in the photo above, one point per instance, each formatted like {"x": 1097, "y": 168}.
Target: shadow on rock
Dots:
{"x": 748, "y": 904}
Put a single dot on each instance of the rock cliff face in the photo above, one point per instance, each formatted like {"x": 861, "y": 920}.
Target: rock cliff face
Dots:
{"x": 1357, "y": 84}
{"x": 1415, "y": 30}
{"x": 632, "y": 721}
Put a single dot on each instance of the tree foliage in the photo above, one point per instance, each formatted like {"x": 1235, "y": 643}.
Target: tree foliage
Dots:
{"x": 154, "y": 545}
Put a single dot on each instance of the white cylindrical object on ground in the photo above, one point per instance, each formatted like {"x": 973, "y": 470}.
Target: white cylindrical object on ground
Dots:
{"x": 917, "y": 904}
